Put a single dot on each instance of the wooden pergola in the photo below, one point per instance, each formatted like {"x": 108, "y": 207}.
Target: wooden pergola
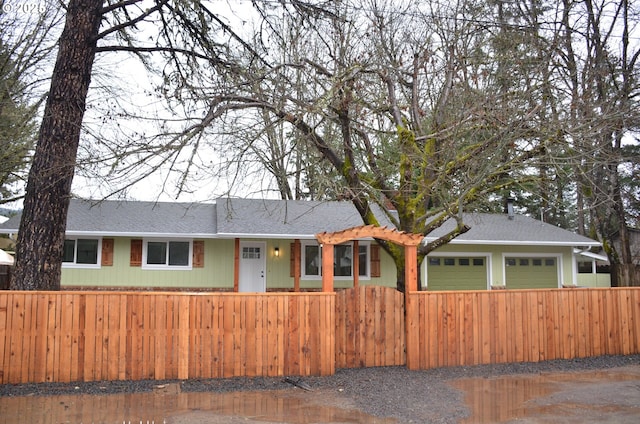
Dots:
{"x": 410, "y": 242}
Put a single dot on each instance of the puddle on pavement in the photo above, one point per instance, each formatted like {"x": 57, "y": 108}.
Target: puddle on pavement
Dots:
{"x": 282, "y": 406}
{"x": 611, "y": 396}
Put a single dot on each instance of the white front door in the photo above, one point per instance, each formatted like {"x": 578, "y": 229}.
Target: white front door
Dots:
{"x": 253, "y": 260}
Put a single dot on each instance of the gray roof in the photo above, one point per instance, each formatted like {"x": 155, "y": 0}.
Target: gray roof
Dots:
{"x": 258, "y": 218}
{"x": 286, "y": 218}
{"x": 112, "y": 217}
{"x": 521, "y": 230}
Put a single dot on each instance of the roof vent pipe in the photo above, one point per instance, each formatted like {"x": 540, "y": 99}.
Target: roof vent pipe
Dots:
{"x": 509, "y": 208}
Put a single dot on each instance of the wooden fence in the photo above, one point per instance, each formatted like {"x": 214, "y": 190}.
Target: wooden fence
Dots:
{"x": 469, "y": 328}
{"x": 90, "y": 336}
{"x": 369, "y": 327}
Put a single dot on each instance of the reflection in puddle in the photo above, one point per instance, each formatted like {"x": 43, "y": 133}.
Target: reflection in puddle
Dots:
{"x": 603, "y": 396}
{"x": 284, "y": 406}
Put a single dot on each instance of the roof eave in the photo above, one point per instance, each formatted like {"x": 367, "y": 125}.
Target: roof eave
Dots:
{"x": 521, "y": 243}
{"x": 267, "y": 236}
{"x": 140, "y": 234}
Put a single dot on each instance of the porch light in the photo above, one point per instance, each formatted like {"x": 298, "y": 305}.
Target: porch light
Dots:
{"x": 276, "y": 252}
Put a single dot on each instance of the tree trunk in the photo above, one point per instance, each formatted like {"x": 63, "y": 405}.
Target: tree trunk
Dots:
{"x": 625, "y": 275}
{"x": 401, "y": 284}
{"x": 43, "y": 225}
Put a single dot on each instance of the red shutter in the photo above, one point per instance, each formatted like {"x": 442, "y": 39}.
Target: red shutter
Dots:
{"x": 198, "y": 254}
{"x": 375, "y": 260}
{"x": 107, "y": 252}
{"x": 292, "y": 260}
{"x": 135, "y": 259}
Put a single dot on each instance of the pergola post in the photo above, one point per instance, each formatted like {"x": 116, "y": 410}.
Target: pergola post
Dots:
{"x": 327, "y": 267}
{"x": 410, "y": 268}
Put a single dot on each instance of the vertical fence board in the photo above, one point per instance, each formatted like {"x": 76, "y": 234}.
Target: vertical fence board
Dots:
{"x": 422, "y": 336}
{"x": 635, "y": 325}
{"x": 40, "y": 354}
{"x": 486, "y": 324}
{"x": 295, "y": 338}
{"x": 5, "y": 335}
{"x": 52, "y": 352}
{"x": 65, "y": 341}
{"x": 313, "y": 314}
{"x": 542, "y": 327}
{"x": 183, "y": 337}
{"x": 28, "y": 349}
{"x": 102, "y": 308}
{"x": 626, "y": 320}
{"x": 113, "y": 347}
{"x": 15, "y": 341}
{"x": 251, "y": 345}
{"x": 581, "y": 323}
{"x": 301, "y": 337}
{"x": 202, "y": 354}
{"x": 227, "y": 337}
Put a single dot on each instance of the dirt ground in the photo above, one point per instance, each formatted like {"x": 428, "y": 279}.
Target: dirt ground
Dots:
{"x": 596, "y": 390}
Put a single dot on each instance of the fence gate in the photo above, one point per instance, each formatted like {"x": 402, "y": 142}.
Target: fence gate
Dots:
{"x": 370, "y": 327}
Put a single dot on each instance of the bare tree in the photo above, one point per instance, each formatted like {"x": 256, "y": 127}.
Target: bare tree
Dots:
{"x": 600, "y": 66}
{"x": 26, "y": 48}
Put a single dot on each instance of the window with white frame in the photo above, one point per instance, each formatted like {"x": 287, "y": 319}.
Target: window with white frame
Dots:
{"x": 343, "y": 260}
{"x": 167, "y": 254}
{"x": 81, "y": 252}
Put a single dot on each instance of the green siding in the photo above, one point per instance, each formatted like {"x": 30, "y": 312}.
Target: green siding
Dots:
{"x": 594, "y": 280}
{"x": 451, "y": 273}
{"x": 217, "y": 272}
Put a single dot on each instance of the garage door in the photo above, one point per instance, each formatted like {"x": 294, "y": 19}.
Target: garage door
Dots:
{"x": 456, "y": 273}
{"x": 531, "y": 273}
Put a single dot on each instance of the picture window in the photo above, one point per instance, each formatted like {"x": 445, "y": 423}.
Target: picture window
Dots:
{"x": 81, "y": 252}
{"x": 167, "y": 254}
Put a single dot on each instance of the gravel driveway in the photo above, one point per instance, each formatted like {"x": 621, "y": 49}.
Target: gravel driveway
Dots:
{"x": 394, "y": 392}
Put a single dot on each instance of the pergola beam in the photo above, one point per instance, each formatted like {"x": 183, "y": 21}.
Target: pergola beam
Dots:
{"x": 399, "y": 237}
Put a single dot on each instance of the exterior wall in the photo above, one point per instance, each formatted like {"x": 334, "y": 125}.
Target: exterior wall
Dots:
{"x": 217, "y": 272}
{"x": 496, "y": 256}
{"x": 594, "y": 280}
